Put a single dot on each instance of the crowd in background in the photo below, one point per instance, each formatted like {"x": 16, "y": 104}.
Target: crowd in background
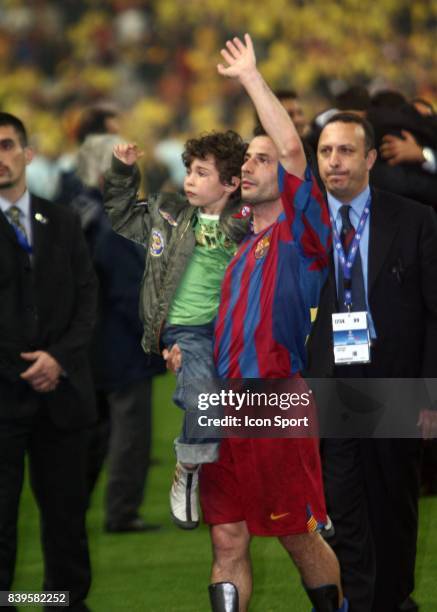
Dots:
{"x": 152, "y": 59}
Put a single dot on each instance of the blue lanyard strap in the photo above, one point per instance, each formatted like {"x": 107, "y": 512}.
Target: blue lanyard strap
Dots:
{"x": 348, "y": 262}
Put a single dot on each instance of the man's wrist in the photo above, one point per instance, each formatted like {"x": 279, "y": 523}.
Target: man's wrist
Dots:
{"x": 250, "y": 77}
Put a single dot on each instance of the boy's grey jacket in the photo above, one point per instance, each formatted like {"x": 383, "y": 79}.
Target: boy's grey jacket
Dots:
{"x": 163, "y": 225}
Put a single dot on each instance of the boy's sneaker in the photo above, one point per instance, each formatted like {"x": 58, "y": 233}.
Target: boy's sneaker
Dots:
{"x": 184, "y": 497}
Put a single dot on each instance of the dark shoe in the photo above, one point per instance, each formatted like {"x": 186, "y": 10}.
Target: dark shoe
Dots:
{"x": 325, "y": 599}
{"x": 134, "y": 525}
{"x": 429, "y": 489}
{"x": 327, "y": 531}
{"x": 409, "y": 605}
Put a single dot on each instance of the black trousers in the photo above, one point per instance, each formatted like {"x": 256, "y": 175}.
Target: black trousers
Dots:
{"x": 57, "y": 475}
{"x": 123, "y": 436}
{"x": 372, "y": 488}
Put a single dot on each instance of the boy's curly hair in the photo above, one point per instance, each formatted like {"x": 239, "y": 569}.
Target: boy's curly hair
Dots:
{"x": 227, "y": 148}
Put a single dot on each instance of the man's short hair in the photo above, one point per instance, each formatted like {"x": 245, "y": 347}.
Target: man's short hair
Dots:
{"x": 355, "y": 98}
{"x": 6, "y": 119}
{"x": 93, "y": 120}
{"x": 259, "y": 130}
{"x": 227, "y": 148}
{"x": 285, "y": 94}
{"x": 388, "y": 98}
{"x": 369, "y": 134}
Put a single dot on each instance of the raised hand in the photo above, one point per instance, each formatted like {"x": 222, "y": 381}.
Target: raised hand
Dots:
{"x": 129, "y": 154}
{"x": 240, "y": 58}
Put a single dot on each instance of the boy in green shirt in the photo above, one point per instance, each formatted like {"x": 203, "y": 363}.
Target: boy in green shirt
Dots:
{"x": 189, "y": 242}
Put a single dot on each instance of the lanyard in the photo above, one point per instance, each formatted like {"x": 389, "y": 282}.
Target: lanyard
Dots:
{"x": 348, "y": 262}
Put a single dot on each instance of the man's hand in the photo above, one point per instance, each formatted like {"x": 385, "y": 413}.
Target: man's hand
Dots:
{"x": 397, "y": 150}
{"x": 173, "y": 358}
{"x": 43, "y": 375}
{"x": 428, "y": 424}
{"x": 240, "y": 58}
{"x": 129, "y": 154}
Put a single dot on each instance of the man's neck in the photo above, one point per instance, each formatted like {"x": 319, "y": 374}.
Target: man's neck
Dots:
{"x": 265, "y": 214}
{"x": 12, "y": 194}
{"x": 347, "y": 200}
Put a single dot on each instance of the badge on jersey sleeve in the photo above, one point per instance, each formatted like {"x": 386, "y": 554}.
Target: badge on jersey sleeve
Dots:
{"x": 351, "y": 338}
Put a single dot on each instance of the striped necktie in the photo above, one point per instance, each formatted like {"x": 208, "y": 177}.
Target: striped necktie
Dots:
{"x": 358, "y": 294}
{"x": 14, "y": 214}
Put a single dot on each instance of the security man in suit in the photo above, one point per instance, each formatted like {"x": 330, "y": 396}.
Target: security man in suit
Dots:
{"x": 48, "y": 303}
{"x": 384, "y": 270}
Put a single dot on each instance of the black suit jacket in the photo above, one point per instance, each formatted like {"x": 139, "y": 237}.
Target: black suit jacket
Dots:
{"x": 47, "y": 303}
{"x": 402, "y": 290}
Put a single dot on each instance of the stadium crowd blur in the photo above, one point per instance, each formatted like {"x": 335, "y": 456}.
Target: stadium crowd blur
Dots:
{"x": 141, "y": 69}
{"x": 152, "y": 60}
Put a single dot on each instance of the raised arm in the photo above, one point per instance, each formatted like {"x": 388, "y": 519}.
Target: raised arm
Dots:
{"x": 241, "y": 64}
{"x": 128, "y": 218}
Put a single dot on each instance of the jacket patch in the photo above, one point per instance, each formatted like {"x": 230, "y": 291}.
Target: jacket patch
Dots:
{"x": 167, "y": 216}
{"x": 156, "y": 244}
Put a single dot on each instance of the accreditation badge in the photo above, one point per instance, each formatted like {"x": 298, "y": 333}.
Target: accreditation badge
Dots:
{"x": 351, "y": 338}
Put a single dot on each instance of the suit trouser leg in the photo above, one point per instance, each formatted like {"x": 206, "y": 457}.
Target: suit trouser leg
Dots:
{"x": 98, "y": 443}
{"x": 58, "y": 479}
{"x": 392, "y": 469}
{"x": 129, "y": 450}
{"x": 13, "y": 442}
{"x": 347, "y": 506}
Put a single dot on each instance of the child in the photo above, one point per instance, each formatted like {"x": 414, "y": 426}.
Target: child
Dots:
{"x": 190, "y": 241}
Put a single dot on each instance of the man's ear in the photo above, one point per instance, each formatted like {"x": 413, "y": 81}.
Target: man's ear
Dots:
{"x": 233, "y": 185}
{"x": 371, "y": 158}
{"x": 28, "y": 154}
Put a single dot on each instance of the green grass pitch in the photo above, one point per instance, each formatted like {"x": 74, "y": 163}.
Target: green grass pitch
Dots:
{"x": 168, "y": 571}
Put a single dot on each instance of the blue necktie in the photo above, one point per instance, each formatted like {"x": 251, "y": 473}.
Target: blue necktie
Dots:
{"x": 14, "y": 214}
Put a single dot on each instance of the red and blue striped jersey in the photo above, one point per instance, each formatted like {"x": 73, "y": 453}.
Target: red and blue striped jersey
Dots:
{"x": 270, "y": 286}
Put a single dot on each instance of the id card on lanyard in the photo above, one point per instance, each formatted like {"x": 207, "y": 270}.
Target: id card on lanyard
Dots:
{"x": 350, "y": 330}
{"x": 351, "y": 338}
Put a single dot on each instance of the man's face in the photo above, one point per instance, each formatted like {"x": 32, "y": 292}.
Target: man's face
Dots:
{"x": 203, "y": 187}
{"x": 259, "y": 173}
{"x": 13, "y": 159}
{"x": 112, "y": 125}
{"x": 343, "y": 162}
{"x": 295, "y": 111}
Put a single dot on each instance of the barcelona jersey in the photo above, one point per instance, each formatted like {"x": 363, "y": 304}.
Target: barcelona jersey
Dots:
{"x": 270, "y": 286}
